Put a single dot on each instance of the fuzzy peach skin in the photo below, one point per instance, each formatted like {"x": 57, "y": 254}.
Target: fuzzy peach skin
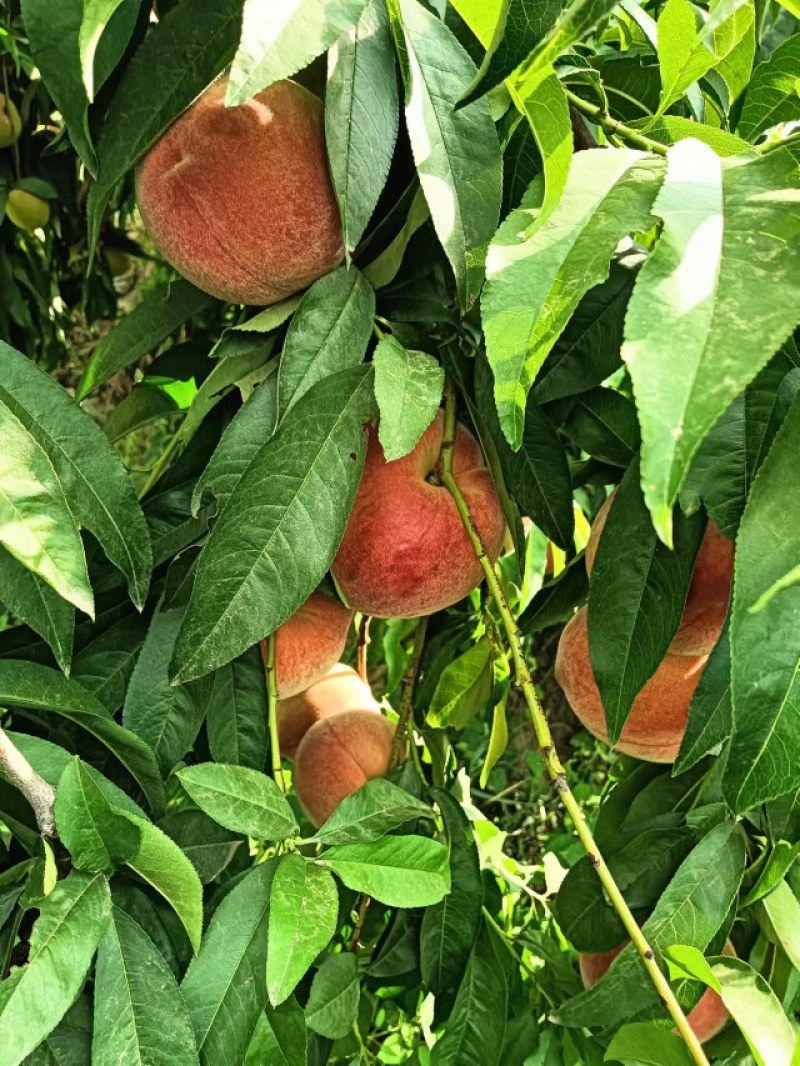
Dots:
{"x": 709, "y": 591}
{"x": 657, "y": 722}
{"x": 340, "y": 689}
{"x": 405, "y": 552}
{"x": 337, "y": 756}
{"x": 309, "y": 643}
{"x": 708, "y": 1017}
{"x": 239, "y": 200}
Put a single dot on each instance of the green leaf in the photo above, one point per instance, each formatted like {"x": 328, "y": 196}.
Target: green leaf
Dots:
{"x": 780, "y": 860}
{"x": 536, "y": 476}
{"x": 34, "y": 999}
{"x": 241, "y": 799}
{"x": 710, "y": 716}
{"x": 251, "y": 428}
{"x": 751, "y": 1002}
{"x": 685, "y": 54}
{"x": 281, "y": 1037}
{"x": 556, "y": 600}
{"x": 279, "y": 40}
{"x": 361, "y": 117}
{"x": 542, "y": 100}
{"x": 101, "y": 496}
{"x": 691, "y": 911}
{"x": 771, "y": 96}
{"x": 669, "y": 129}
{"x": 401, "y": 871}
{"x": 535, "y": 283}
{"x": 450, "y": 928}
{"x": 209, "y": 846}
{"x": 384, "y": 268}
{"x": 53, "y": 34}
{"x": 463, "y": 688}
{"x": 603, "y": 424}
{"x": 698, "y": 329}
{"x": 303, "y": 913}
{"x": 250, "y": 578}
{"x": 236, "y": 716}
{"x": 190, "y": 44}
{"x": 475, "y": 1031}
{"x": 39, "y": 688}
{"x": 762, "y": 759}
{"x": 408, "y": 388}
{"x": 141, "y": 407}
{"x": 96, "y": 16}
{"x": 520, "y": 27}
{"x": 37, "y": 526}
{"x": 637, "y": 594}
{"x": 39, "y": 606}
{"x": 140, "y": 1015}
{"x": 97, "y": 838}
{"x": 160, "y": 314}
{"x": 457, "y": 153}
{"x": 783, "y": 911}
{"x": 167, "y": 717}
{"x": 648, "y": 1044}
{"x": 225, "y": 985}
{"x": 329, "y": 332}
{"x": 104, "y": 665}
{"x": 575, "y": 21}
{"x": 370, "y": 813}
{"x": 332, "y": 1006}
{"x": 163, "y": 865}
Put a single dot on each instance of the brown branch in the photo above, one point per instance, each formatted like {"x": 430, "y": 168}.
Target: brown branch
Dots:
{"x": 16, "y": 769}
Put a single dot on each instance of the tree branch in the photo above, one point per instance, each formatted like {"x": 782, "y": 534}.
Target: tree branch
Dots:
{"x": 16, "y": 769}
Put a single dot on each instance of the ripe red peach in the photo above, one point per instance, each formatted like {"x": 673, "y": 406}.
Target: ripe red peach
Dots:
{"x": 708, "y": 1017}
{"x": 309, "y": 643}
{"x": 339, "y": 689}
{"x": 337, "y": 756}
{"x": 405, "y": 552}
{"x": 239, "y": 200}
{"x": 657, "y": 721}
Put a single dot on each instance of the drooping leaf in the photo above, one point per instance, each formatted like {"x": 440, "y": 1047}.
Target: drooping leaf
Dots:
{"x": 101, "y": 496}
{"x": 236, "y": 715}
{"x": 104, "y": 665}
{"x": 281, "y": 1037}
{"x": 329, "y": 332}
{"x": 401, "y": 871}
{"x": 39, "y": 606}
{"x": 603, "y": 424}
{"x": 37, "y": 526}
{"x": 208, "y": 845}
{"x": 710, "y": 716}
{"x": 771, "y": 96}
{"x": 97, "y": 15}
{"x": 762, "y": 759}
{"x": 450, "y": 927}
{"x": 241, "y": 799}
{"x": 370, "y": 813}
{"x": 463, "y": 688}
{"x": 140, "y": 1014}
{"x": 527, "y": 303}
{"x": 637, "y": 594}
{"x": 278, "y": 40}
{"x": 96, "y": 836}
{"x": 24, "y": 684}
{"x": 361, "y": 117}
{"x": 141, "y": 407}
{"x": 167, "y": 717}
{"x": 694, "y": 308}
{"x": 225, "y": 986}
{"x": 285, "y": 498}
{"x": 189, "y": 46}
{"x": 34, "y": 999}
{"x": 408, "y": 388}
{"x": 303, "y": 911}
{"x": 332, "y": 1005}
{"x": 457, "y": 153}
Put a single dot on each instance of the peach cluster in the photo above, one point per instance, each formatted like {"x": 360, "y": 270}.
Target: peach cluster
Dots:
{"x": 657, "y": 721}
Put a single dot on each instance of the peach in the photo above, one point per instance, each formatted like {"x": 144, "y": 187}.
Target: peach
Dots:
{"x": 405, "y": 552}
{"x": 27, "y": 211}
{"x": 339, "y": 689}
{"x": 707, "y": 1018}
{"x": 337, "y": 756}
{"x": 309, "y": 643}
{"x": 239, "y": 200}
{"x": 709, "y": 591}
{"x": 10, "y": 122}
{"x": 657, "y": 721}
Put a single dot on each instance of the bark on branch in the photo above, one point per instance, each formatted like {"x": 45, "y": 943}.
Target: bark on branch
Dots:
{"x": 16, "y": 769}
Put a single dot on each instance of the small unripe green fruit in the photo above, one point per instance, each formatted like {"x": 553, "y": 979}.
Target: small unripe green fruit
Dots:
{"x": 119, "y": 262}
{"x": 27, "y": 211}
{"x": 10, "y": 122}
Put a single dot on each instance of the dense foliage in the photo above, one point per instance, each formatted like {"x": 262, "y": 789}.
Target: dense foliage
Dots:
{"x": 577, "y": 226}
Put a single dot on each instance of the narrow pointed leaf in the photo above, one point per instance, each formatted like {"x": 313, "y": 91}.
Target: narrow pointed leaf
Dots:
{"x": 408, "y": 388}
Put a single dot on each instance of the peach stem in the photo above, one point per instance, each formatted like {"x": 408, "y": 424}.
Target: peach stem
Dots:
{"x": 363, "y": 643}
{"x": 272, "y": 704}
{"x": 406, "y": 708}
{"x": 545, "y": 741}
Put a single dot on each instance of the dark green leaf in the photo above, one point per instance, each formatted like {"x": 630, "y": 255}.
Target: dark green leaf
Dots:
{"x": 332, "y": 1005}
{"x": 39, "y": 606}
{"x": 370, "y": 813}
{"x": 771, "y": 96}
{"x": 603, "y": 423}
{"x": 241, "y": 799}
{"x": 96, "y": 836}
{"x": 556, "y": 600}
{"x": 141, "y": 407}
{"x": 104, "y": 665}
{"x": 209, "y": 846}
{"x": 236, "y": 717}
{"x": 710, "y": 715}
